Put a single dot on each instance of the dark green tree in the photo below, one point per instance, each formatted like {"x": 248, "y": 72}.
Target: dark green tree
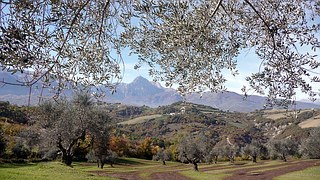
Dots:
{"x": 253, "y": 150}
{"x": 311, "y": 146}
{"x": 193, "y": 149}
{"x": 3, "y": 143}
{"x": 66, "y": 124}
{"x": 283, "y": 148}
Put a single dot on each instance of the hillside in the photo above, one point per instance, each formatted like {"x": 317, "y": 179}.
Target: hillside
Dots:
{"x": 182, "y": 118}
{"x": 134, "y": 128}
{"x": 142, "y": 92}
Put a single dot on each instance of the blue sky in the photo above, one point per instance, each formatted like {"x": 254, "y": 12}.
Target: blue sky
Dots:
{"x": 248, "y": 63}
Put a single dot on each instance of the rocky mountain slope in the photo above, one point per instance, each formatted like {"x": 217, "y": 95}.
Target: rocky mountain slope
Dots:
{"x": 143, "y": 92}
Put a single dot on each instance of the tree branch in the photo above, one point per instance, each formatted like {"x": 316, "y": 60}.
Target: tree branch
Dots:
{"x": 102, "y": 19}
{"x": 35, "y": 80}
{"x": 271, "y": 32}
{"x": 214, "y": 12}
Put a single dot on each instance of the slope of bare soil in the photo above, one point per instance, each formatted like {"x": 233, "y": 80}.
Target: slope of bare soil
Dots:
{"x": 270, "y": 174}
{"x": 247, "y": 173}
{"x": 168, "y": 176}
{"x": 124, "y": 176}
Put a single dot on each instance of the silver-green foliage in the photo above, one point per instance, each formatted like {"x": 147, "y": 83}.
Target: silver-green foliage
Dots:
{"x": 194, "y": 149}
{"x": 311, "y": 147}
{"x": 283, "y": 148}
{"x": 189, "y": 43}
{"x": 65, "y": 41}
{"x": 68, "y": 124}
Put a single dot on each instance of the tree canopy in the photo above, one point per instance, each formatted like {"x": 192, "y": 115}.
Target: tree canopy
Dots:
{"x": 67, "y": 125}
{"x": 189, "y": 43}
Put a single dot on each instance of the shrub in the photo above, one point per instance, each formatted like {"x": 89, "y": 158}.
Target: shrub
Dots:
{"x": 20, "y": 151}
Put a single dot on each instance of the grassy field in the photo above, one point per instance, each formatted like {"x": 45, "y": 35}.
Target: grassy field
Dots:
{"x": 277, "y": 114}
{"x": 312, "y": 122}
{"x": 141, "y": 119}
{"x": 306, "y": 174}
{"x": 145, "y": 169}
{"x": 46, "y": 170}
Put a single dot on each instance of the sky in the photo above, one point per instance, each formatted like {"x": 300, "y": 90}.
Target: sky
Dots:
{"x": 247, "y": 63}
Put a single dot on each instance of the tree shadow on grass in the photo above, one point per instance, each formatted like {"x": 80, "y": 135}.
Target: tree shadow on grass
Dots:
{"x": 16, "y": 165}
{"x": 129, "y": 162}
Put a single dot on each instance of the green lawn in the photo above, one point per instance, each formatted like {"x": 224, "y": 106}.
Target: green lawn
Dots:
{"x": 46, "y": 170}
{"x": 306, "y": 174}
{"x": 142, "y": 168}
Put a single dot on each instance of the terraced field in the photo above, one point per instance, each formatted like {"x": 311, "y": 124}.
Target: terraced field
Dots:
{"x": 137, "y": 169}
{"x": 141, "y": 119}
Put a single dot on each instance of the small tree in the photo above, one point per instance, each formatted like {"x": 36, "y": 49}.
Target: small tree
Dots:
{"x": 193, "y": 150}
{"x": 311, "y": 147}
{"x": 65, "y": 124}
{"x": 3, "y": 143}
{"x": 229, "y": 151}
{"x": 283, "y": 148}
{"x": 163, "y": 155}
{"x": 253, "y": 150}
{"x": 100, "y": 132}
{"x": 216, "y": 152}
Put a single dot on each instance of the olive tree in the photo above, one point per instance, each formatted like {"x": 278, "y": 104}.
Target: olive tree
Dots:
{"x": 192, "y": 43}
{"x": 311, "y": 146}
{"x": 217, "y": 151}
{"x": 3, "y": 143}
{"x": 253, "y": 150}
{"x": 283, "y": 148}
{"x": 100, "y": 133}
{"x": 189, "y": 43}
{"x": 61, "y": 43}
{"x": 193, "y": 149}
{"x": 229, "y": 151}
{"x": 163, "y": 155}
{"x": 67, "y": 124}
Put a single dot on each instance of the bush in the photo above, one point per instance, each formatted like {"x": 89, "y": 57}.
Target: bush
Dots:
{"x": 110, "y": 158}
{"x": 20, "y": 151}
{"x": 50, "y": 154}
{"x": 3, "y": 143}
{"x": 91, "y": 157}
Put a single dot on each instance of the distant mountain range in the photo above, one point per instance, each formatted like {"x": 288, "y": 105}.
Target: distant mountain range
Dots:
{"x": 143, "y": 92}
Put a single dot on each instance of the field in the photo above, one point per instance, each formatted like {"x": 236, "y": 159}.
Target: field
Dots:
{"x": 312, "y": 122}
{"x": 276, "y": 114}
{"x": 137, "y": 169}
{"x": 141, "y": 119}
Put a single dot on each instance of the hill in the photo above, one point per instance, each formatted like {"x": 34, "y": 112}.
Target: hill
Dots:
{"x": 178, "y": 119}
{"x": 142, "y": 92}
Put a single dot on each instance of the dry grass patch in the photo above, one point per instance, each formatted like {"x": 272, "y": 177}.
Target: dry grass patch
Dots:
{"x": 312, "y": 122}
{"x": 141, "y": 119}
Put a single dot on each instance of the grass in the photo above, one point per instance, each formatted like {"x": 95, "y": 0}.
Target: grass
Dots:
{"x": 269, "y": 169}
{"x": 311, "y": 122}
{"x": 306, "y": 174}
{"x": 141, "y": 119}
{"x": 45, "y": 170}
{"x": 202, "y": 175}
{"x": 143, "y": 168}
{"x": 246, "y": 166}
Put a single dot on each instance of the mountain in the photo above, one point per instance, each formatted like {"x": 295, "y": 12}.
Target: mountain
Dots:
{"x": 235, "y": 102}
{"x": 143, "y": 92}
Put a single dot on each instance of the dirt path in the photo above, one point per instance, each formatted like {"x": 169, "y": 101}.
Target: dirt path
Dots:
{"x": 168, "y": 176}
{"x": 246, "y": 173}
{"x": 270, "y": 174}
{"x": 124, "y": 176}
{"x": 228, "y": 166}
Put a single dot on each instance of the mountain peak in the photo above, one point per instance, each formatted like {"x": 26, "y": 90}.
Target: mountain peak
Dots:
{"x": 141, "y": 86}
{"x": 139, "y": 80}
